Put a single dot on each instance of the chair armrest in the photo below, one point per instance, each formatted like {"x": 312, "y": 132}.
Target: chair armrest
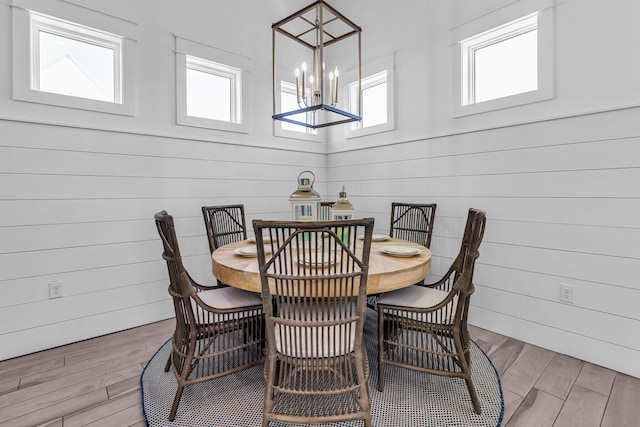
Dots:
{"x": 445, "y": 283}
{"x": 199, "y": 287}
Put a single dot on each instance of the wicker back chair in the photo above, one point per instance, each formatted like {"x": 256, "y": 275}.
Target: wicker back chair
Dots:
{"x": 325, "y": 210}
{"x": 424, "y": 327}
{"x": 219, "y": 330}
{"x": 314, "y": 280}
{"x": 225, "y": 224}
{"x": 412, "y": 222}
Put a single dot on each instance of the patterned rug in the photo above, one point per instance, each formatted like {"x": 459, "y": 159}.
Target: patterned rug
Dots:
{"x": 409, "y": 398}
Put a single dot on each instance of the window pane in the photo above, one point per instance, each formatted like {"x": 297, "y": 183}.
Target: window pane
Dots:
{"x": 208, "y": 95}
{"x": 374, "y": 105}
{"x": 507, "y": 68}
{"x": 288, "y": 102}
{"x": 76, "y": 68}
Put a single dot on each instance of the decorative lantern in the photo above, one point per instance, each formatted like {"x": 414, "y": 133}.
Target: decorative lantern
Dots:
{"x": 305, "y": 201}
{"x": 342, "y": 208}
{"x": 317, "y": 42}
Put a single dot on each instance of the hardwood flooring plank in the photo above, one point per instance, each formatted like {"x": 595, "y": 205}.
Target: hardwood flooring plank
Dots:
{"x": 596, "y": 378}
{"x": 44, "y": 365}
{"x": 526, "y": 370}
{"x": 77, "y": 378}
{"x": 125, "y": 417}
{"x": 54, "y": 423}
{"x": 9, "y": 386}
{"x": 623, "y": 408}
{"x": 132, "y": 354}
{"x": 583, "y": 408}
{"x": 53, "y": 411}
{"x": 23, "y": 403}
{"x": 538, "y": 409}
{"x": 155, "y": 340}
{"x": 104, "y": 410}
{"x": 560, "y": 375}
{"x": 36, "y": 358}
{"x": 124, "y": 387}
{"x": 139, "y": 424}
{"x": 511, "y": 403}
{"x": 504, "y": 355}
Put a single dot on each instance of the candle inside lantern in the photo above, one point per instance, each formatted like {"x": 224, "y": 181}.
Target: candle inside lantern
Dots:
{"x": 304, "y": 77}
{"x": 298, "y": 85}
{"x": 335, "y": 92}
{"x": 331, "y": 87}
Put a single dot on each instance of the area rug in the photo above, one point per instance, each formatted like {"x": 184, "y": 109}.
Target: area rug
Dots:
{"x": 409, "y": 398}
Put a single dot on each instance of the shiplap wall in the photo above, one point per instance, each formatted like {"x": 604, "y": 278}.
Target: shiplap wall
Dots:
{"x": 78, "y": 190}
{"x": 561, "y": 208}
{"x": 558, "y": 179}
{"x": 77, "y": 205}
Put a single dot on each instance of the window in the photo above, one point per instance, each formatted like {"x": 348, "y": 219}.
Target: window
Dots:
{"x": 76, "y": 61}
{"x": 376, "y": 97}
{"x": 212, "y": 90}
{"x": 212, "y": 86}
{"x": 61, "y": 62}
{"x": 374, "y": 101}
{"x": 289, "y": 102}
{"x": 508, "y": 64}
{"x": 502, "y": 62}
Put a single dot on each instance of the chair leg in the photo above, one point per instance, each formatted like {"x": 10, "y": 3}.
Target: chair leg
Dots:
{"x": 168, "y": 364}
{"x": 176, "y": 402}
{"x": 271, "y": 368}
{"x": 366, "y": 398}
{"x": 474, "y": 396}
{"x": 380, "y": 349}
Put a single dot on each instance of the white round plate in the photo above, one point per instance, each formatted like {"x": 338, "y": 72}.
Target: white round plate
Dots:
{"x": 321, "y": 260}
{"x": 400, "y": 251}
{"x": 376, "y": 237}
{"x": 249, "y": 251}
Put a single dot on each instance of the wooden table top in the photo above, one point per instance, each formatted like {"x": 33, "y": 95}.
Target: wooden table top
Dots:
{"x": 386, "y": 272}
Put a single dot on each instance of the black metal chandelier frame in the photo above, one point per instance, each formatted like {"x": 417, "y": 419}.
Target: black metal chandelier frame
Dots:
{"x": 323, "y": 38}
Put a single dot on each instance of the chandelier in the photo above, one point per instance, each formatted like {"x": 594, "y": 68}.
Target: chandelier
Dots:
{"x": 309, "y": 50}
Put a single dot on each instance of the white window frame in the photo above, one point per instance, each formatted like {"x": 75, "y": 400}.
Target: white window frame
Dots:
{"x": 307, "y": 134}
{"x": 221, "y": 70}
{"x": 376, "y": 72}
{"x": 499, "y": 25}
{"x": 78, "y": 23}
{"x": 194, "y": 55}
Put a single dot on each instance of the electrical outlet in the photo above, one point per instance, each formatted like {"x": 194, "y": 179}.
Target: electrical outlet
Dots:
{"x": 566, "y": 293}
{"x": 55, "y": 289}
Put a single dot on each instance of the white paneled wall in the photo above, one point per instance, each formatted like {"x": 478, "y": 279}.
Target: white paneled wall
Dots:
{"x": 78, "y": 189}
{"x": 561, "y": 204}
{"x": 77, "y": 205}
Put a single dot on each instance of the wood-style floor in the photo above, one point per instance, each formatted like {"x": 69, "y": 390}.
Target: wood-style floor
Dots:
{"x": 96, "y": 382}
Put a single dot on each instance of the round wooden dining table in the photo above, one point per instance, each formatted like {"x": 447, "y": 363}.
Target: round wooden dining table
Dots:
{"x": 386, "y": 272}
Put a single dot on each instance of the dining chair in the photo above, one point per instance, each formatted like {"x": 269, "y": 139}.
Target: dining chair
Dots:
{"x": 413, "y": 222}
{"x": 314, "y": 281}
{"x": 225, "y": 224}
{"x": 424, "y": 327}
{"x": 325, "y": 210}
{"x": 219, "y": 330}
